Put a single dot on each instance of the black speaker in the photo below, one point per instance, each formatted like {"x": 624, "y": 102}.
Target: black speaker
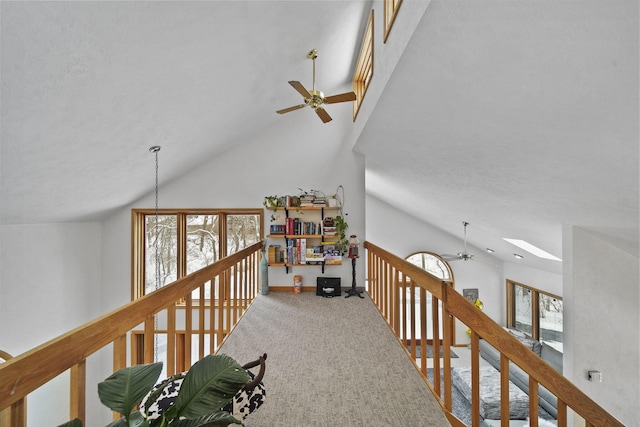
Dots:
{"x": 328, "y": 287}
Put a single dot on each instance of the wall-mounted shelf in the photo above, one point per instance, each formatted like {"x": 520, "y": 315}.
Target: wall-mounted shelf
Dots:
{"x": 300, "y": 245}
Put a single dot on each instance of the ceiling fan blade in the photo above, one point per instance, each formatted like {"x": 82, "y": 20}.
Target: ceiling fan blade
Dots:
{"x": 450, "y": 257}
{"x": 301, "y": 89}
{"x": 343, "y": 97}
{"x": 286, "y": 110}
{"x": 324, "y": 116}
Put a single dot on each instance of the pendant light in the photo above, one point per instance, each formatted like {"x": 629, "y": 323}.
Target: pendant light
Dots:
{"x": 155, "y": 149}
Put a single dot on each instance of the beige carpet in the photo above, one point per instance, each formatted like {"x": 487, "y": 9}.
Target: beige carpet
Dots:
{"x": 331, "y": 362}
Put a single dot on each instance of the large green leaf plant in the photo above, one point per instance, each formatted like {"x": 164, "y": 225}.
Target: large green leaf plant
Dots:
{"x": 207, "y": 387}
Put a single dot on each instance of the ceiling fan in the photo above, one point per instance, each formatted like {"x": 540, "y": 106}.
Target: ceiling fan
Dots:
{"x": 314, "y": 98}
{"x": 464, "y": 255}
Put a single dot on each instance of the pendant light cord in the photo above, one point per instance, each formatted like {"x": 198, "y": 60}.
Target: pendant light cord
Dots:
{"x": 155, "y": 149}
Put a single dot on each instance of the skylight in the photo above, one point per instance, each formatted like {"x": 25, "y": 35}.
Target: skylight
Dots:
{"x": 532, "y": 249}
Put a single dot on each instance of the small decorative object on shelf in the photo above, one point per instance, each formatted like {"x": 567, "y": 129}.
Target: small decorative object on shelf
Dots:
{"x": 353, "y": 254}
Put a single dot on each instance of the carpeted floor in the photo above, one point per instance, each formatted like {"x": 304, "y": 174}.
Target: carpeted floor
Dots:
{"x": 331, "y": 362}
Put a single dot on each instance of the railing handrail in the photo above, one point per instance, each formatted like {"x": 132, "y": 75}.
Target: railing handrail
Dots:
{"x": 483, "y": 326}
{"x": 26, "y": 372}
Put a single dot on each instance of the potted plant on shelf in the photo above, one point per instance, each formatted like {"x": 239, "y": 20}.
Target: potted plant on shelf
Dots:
{"x": 272, "y": 202}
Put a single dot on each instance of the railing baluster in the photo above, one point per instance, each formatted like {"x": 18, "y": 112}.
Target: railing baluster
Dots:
{"x": 78, "y": 390}
{"x": 504, "y": 391}
{"x": 475, "y": 380}
{"x": 533, "y": 401}
{"x": 412, "y": 318}
{"x": 120, "y": 352}
{"x": 201, "y": 323}
{"x": 423, "y": 332}
{"x": 212, "y": 317}
{"x": 149, "y": 339}
{"x": 435, "y": 332}
{"x": 391, "y": 295}
{"x": 188, "y": 333}
{"x": 171, "y": 340}
{"x": 446, "y": 343}
{"x": 562, "y": 414}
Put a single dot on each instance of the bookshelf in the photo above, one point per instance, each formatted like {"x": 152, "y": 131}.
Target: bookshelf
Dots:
{"x": 299, "y": 236}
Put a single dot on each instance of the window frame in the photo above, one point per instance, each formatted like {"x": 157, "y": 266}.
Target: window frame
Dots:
{"x": 535, "y": 306}
{"x": 138, "y": 230}
{"x": 438, "y": 257}
{"x": 451, "y": 282}
{"x": 363, "y": 74}
{"x": 391, "y": 8}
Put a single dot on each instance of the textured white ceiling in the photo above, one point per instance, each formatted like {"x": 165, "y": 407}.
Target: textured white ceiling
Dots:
{"x": 518, "y": 117}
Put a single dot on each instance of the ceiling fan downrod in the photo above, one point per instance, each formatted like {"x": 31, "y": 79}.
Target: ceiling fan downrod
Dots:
{"x": 317, "y": 97}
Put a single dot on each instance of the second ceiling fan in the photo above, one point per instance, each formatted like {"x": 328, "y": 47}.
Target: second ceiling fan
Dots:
{"x": 464, "y": 255}
{"x": 314, "y": 98}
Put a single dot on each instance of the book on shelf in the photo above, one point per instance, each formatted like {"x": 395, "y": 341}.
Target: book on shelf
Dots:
{"x": 329, "y": 231}
{"x": 289, "y": 226}
{"x": 320, "y": 202}
{"x": 271, "y": 254}
{"x": 290, "y": 252}
{"x": 307, "y": 200}
{"x": 277, "y": 228}
{"x": 301, "y": 251}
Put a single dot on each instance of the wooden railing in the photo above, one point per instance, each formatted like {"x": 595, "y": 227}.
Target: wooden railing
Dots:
{"x": 393, "y": 284}
{"x": 226, "y": 289}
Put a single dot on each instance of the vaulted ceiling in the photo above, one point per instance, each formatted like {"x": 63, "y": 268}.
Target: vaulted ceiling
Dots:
{"x": 518, "y": 117}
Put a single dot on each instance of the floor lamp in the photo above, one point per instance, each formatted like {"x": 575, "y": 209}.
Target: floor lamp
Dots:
{"x": 353, "y": 254}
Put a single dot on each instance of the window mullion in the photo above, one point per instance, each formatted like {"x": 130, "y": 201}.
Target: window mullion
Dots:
{"x": 223, "y": 235}
{"x": 182, "y": 245}
{"x": 535, "y": 315}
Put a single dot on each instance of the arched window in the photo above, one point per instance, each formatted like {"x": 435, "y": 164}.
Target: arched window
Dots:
{"x": 434, "y": 264}
{"x": 431, "y": 263}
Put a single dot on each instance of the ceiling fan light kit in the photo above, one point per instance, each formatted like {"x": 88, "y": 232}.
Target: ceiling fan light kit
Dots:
{"x": 315, "y": 98}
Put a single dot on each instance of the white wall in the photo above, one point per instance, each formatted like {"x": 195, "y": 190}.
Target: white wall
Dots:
{"x": 602, "y": 295}
{"x": 50, "y": 283}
